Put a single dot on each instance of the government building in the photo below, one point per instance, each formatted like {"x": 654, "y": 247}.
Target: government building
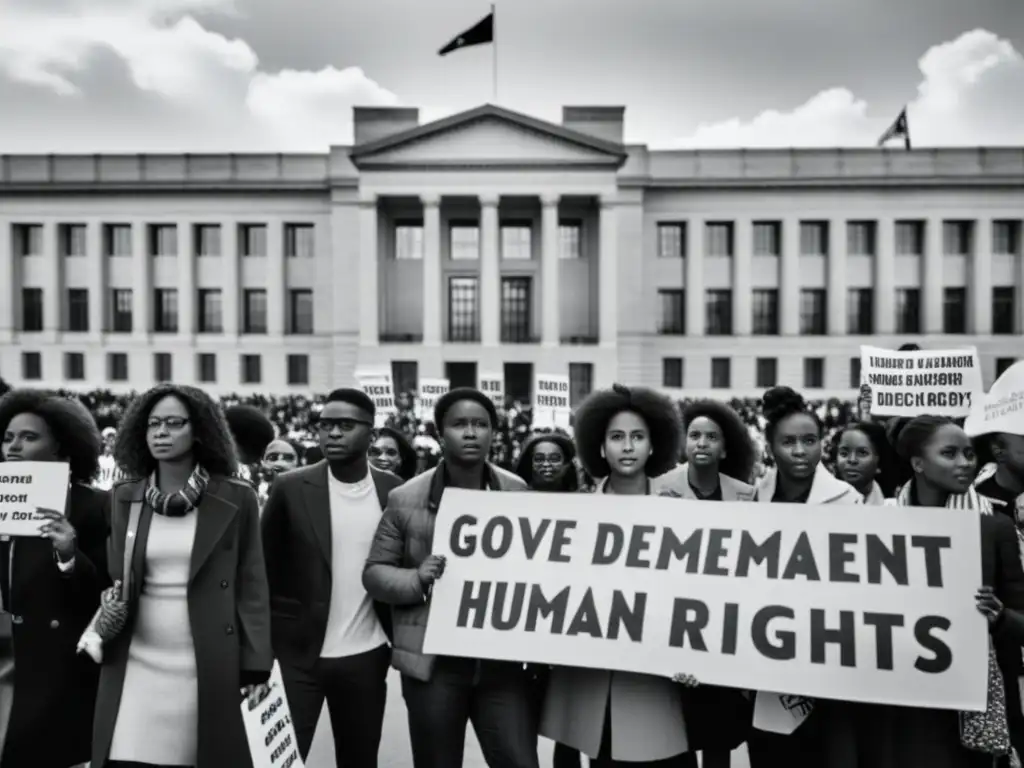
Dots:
{"x": 494, "y": 242}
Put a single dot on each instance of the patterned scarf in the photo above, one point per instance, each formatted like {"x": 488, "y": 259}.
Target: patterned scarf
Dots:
{"x": 181, "y": 502}
{"x": 969, "y": 500}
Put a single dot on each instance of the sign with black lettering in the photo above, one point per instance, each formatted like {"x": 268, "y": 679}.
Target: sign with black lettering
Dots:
{"x": 26, "y": 487}
{"x": 876, "y": 606}
{"x": 378, "y": 386}
{"x": 1002, "y": 408}
{"x": 269, "y": 729}
{"x": 916, "y": 383}
{"x": 551, "y": 401}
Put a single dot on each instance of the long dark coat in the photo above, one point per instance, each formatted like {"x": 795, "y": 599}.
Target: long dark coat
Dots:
{"x": 55, "y": 689}
{"x": 229, "y": 610}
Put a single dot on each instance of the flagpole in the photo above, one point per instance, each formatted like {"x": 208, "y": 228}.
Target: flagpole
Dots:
{"x": 494, "y": 54}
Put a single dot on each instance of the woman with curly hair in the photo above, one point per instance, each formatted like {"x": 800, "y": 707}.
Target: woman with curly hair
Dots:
{"x": 50, "y": 586}
{"x": 392, "y": 452}
{"x": 626, "y": 437}
{"x": 199, "y": 612}
{"x": 719, "y": 455}
{"x": 863, "y": 457}
{"x": 547, "y": 463}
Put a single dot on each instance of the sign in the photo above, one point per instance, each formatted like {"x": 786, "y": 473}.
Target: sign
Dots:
{"x": 378, "y": 386}
{"x": 551, "y": 401}
{"x": 430, "y": 391}
{"x": 1002, "y": 409}
{"x": 269, "y": 729}
{"x": 26, "y": 486}
{"x": 915, "y": 383}
{"x": 493, "y": 385}
{"x": 800, "y": 599}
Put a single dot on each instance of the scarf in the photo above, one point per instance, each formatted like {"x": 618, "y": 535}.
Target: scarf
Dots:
{"x": 181, "y": 502}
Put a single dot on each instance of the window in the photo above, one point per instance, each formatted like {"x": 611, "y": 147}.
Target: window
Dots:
{"x": 672, "y": 241}
{"x": 814, "y": 372}
{"x": 909, "y": 238}
{"x": 409, "y": 241}
{"x": 718, "y": 312}
{"x": 254, "y": 310}
{"x": 78, "y": 310}
{"x": 28, "y": 239}
{"x": 465, "y": 241}
{"x": 121, "y": 310}
{"x": 954, "y": 310}
{"x": 31, "y": 366}
{"x": 908, "y": 310}
{"x": 251, "y": 369}
{"x": 405, "y": 376}
{"x": 299, "y": 241}
{"x": 1004, "y": 310}
{"x": 1006, "y": 237}
{"x": 74, "y": 366}
{"x": 1002, "y": 363}
{"x": 298, "y": 370}
{"x": 163, "y": 240}
{"x": 462, "y": 311}
{"x": 767, "y": 372}
{"x": 518, "y": 381}
{"x": 515, "y": 309}
{"x": 719, "y": 238}
{"x": 860, "y": 238}
{"x": 207, "y": 365}
{"x": 165, "y": 310}
{"x": 721, "y": 373}
{"x": 516, "y": 241}
{"x": 71, "y": 239}
{"x": 672, "y": 372}
{"x": 207, "y": 239}
{"x": 673, "y": 312}
{"x": 765, "y": 303}
{"x": 211, "y": 312}
{"x": 956, "y": 238}
{"x": 117, "y": 366}
{"x": 460, "y": 375}
{"x": 813, "y": 238}
{"x": 860, "y": 311}
{"x": 767, "y": 238}
{"x": 812, "y": 312}
{"x": 570, "y": 241}
{"x": 117, "y": 239}
{"x": 252, "y": 239}
{"x": 855, "y": 373}
{"x": 162, "y": 368}
{"x": 581, "y": 382}
{"x": 31, "y": 309}
{"x": 300, "y": 311}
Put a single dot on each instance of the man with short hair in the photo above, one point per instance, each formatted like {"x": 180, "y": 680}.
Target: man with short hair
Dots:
{"x": 329, "y": 636}
{"x": 442, "y": 694}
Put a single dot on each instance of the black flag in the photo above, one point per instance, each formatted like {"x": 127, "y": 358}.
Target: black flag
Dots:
{"x": 480, "y": 33}
{"x": 898, "y": 130}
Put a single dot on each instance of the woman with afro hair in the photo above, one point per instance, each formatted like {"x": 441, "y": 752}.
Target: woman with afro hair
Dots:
{"x": 50, "y": 586}
{"x": 199, "y": 606}
{"x": 625, "y": 437}
{"x": 392, "y": 452}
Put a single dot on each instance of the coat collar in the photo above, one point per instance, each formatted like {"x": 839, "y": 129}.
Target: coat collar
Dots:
{"x": 439, "y": 481}
{"x": 825, "y": 488}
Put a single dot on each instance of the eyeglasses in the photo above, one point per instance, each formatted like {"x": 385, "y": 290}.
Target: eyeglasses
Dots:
{"x": 345, "y": 425}
{"x": 539, "y": 459}
{"x": 280, "y": 457}
{"x": 171, "y": 422}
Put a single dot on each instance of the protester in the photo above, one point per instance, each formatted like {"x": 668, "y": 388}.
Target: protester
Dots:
{"x": 50, "y": 587}
{"x": 329, "y": 637}
{"x": 200, "y": 613}
{"x": 280, "y": 456}
{"x": 392, "y": 452}
{"x": 862, "y": 457}
{"x": 442, "y": 694}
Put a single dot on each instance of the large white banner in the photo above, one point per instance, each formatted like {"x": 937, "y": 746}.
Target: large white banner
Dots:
{"x": 26, "y": 486}
{"x": 871, "y": 604}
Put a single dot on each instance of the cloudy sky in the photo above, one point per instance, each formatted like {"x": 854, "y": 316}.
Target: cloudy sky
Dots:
{"x": 283, "y": 75}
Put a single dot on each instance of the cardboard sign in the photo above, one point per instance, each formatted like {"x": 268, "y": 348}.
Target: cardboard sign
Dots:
{"x": 914, "y": 383}
{"x": 551, "y": 401}
{"x": 1002, "y": 409}
{"x": 493, "y": 385}
{"x": 430, "y": 391}
{"x": 378, "y": 386}
{"x": 269, "y": 729}
{"x": 26, "y": 486}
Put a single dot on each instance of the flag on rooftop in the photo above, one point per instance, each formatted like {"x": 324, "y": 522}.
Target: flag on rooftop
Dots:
{"x": 480, "y": 33}
{"x": 898, "y": 130}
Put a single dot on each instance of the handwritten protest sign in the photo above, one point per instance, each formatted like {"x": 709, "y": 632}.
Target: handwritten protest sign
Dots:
{"x": 26, "y": 486}
{"x": 913, "y": 383}
{"x": 378, "y": 386}
{"x": 1002, "y": 409}
{"x": 269, "y": 729}
{"x": 551, "y": 401}
{"x": 430, "y": 391}
{"x": 797, "y": 598}
{"x": 493, "y": 385}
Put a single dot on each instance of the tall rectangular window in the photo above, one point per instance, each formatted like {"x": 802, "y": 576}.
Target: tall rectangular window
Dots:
{"x": 813, "y": 238}
{"x": 463, "y": 374}
{"x": 570, "y": 239}
{"x": 721, "y": 373}
{"x": 211, "y": 311}
{"x": 74, "y": 366}
{"x": 121, "y": 310}
{"x": 28, "y": 239}
{"x": 515, "y": 310}
{"x": 405, "y": 375}
{"x": 718, "y": 312}
{"x": 860, "y": 238}
{"x": 117, "y": 366}
{"x": 860, "y": 311}
{"x": 908, "y": 310}
{"x": 812, "y": 312}
{"x": 252, "y": 369}
{"x": 673, "y": 312}
{"x": 207, "y": 364}
{"x": 767, "y": 372}
{"x": 581, "y": 382}
{"x": 672, "y": 240}
{"x": 767, "y": 238}
{"x": 855, "y": 372}
{"x": 163, "y": 240}
{"x": 117, "y": 239}
{"x": 1004, "y": 310}
{"x": 31, "y": 366}
{"x": 719, "y": 235}
{"x": 163, "y": 370}
{"x": 465, "y": 241}
{"x": 299, "y": 241}
{"x": 165, "y": 310}
{"x": 672, "y": 372}
{"x": 409, "y": 241}
{"x": 814, "y": 372}
{"x": 31, "y": 309}
{"x": 765, "y": 304}
{"x": 909, "y": 238}
{"x": 956, "y": 238}
{"x": 78, "y": 310}
{"x": 252, "y": 240}
{"x": 71, "y": 239}
{"x": 1006, "y": 237}
{"x": 207, "y": 239}
{"x": 254, "y": 311}
{"x": 516, "y": 241}
{"x": 298, "y": 370}
{"x": 463, "y": 309}
{"x": 954, "y": 310}
{"x": 300, "y": 311}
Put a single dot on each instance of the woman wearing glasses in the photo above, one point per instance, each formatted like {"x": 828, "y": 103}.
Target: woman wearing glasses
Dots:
{"x": 198, "y": 626}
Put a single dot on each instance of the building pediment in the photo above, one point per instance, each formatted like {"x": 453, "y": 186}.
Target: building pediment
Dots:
{"x": 489, "y": 137}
